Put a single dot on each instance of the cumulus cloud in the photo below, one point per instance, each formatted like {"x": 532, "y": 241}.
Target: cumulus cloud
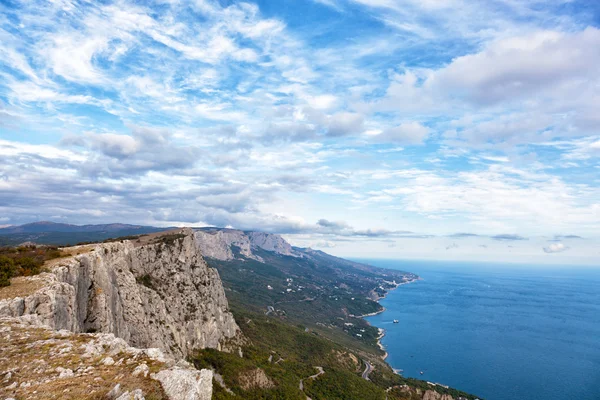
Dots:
{"x": 112, "y": 145}
{"x": 345, "y": 123}
{"x": 508, "y": 93}
{"x": 555, "y": 248}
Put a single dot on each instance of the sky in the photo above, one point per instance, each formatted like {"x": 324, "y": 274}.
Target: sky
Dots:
{"x": 445, "y": 129}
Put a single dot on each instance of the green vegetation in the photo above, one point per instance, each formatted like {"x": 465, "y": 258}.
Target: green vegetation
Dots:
{"x": 24, "y": 261}
{"x": 337, "y": 384}
{"x": 303, "y": 313}
{"x": 169, "y": 239}
{"x": 286, "y": 354}
{"x": 7, "y": 270}
{"x": 321, "y": 294}
{"x": 145, "y": 280}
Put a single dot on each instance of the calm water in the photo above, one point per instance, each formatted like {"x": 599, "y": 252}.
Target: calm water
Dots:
{"x": 503, "y": 333}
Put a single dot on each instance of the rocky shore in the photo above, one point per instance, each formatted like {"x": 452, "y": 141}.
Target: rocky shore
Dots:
{"x": 381, "y": 330}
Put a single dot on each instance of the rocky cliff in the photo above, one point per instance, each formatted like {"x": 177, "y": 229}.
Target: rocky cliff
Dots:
{"x": 222, "y": 244}
{"x": 155, "y": 291}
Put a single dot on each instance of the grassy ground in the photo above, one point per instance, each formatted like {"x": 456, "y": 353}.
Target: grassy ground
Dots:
{"x": 32, "y": 360}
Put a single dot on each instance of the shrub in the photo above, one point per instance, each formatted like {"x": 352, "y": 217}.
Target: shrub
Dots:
{"x": 145, "y": 280}
{"x": 24, "y": 260}
{"x": 29, "y": 266}
{"x": 7, "y": 270}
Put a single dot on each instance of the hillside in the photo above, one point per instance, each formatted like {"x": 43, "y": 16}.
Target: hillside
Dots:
{"x": 281, "y": 294}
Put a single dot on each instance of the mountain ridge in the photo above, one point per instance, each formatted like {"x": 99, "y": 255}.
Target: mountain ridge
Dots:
{"x": 50, "y": 226}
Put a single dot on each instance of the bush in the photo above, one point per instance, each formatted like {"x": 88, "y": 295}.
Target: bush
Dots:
{"x": 7, "y": 270}
{"x": 29, "y": 266}
{"x": 24, "y": 261}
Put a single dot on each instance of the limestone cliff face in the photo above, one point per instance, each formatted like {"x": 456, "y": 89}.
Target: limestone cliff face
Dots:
{"x": 155, "y": 292}
{"x": 219, "y": 243}
{"x": 271, "y": 242}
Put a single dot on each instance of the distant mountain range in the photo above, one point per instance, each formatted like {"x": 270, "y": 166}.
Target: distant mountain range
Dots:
{"x": 46, "y": 232}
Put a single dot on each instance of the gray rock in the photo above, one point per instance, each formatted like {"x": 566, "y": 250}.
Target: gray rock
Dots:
{"x": 186, "y": 384}
{"x": 141, "y": 369}
{"x": 137, "y": 394}
{"x": 64, "y": 372}
{"x": 159, "y": 294}
{"x": 108, "y": 361}
{"x": 217, "y": 243}
{"x": 114, "y": 392}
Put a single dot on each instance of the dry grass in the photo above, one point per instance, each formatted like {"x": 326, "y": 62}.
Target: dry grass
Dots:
{"x": 74, "y": 251}
{"x": 21, "y": 287}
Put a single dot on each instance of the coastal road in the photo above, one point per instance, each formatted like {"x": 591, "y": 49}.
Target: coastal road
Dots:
{"x": 367, "y": 371}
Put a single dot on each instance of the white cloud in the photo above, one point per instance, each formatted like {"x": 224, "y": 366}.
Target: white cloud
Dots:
{"x": 72, "y": 57}
{"x": 114, "y": 145}
{"x": 405, "y": 133}
{"x": 498, "y": 198}
{"x": 523, "y": 66}
{"x": 555, "y": 248}
{"x": 255, "y": 121}
{"x": 345, "y": 123}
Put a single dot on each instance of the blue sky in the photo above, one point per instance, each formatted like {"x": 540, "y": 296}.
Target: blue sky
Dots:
{"x": 397, "y": 128}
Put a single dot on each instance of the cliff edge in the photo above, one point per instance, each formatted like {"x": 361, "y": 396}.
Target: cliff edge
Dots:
{"x": 154, "y": 292}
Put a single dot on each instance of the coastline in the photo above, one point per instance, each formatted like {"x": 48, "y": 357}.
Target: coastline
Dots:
{"x": 381, "y": 335}
{"x": 381, "y": 330}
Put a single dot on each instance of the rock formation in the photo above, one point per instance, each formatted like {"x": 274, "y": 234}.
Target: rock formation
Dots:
{"x": 221, "y": 244}
{"x": 156, "y": 291}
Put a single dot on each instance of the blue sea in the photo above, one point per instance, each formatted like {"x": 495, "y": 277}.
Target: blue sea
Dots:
{"x": 502, "y": 332}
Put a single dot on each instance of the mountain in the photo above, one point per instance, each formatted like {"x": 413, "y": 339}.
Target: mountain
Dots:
{"x": 268, "y": 282}
{"x": 196, "y": 314}
{"x": 52, "y": 233}
{"x": 306, "y": 286}
{"x": 47, "y": 226}
{"x": 220, "y": 243}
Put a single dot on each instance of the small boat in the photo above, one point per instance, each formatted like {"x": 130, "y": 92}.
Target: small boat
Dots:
{"x": 422, "y": 372}
{"x": 396, "y": 321}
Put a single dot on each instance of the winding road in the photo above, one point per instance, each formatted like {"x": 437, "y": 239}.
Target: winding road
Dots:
{"x": 315, "y": 376}
{"x": 367, "y": 371}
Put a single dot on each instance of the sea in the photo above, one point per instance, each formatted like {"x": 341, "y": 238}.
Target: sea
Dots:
{"x": 502, "y": 332}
